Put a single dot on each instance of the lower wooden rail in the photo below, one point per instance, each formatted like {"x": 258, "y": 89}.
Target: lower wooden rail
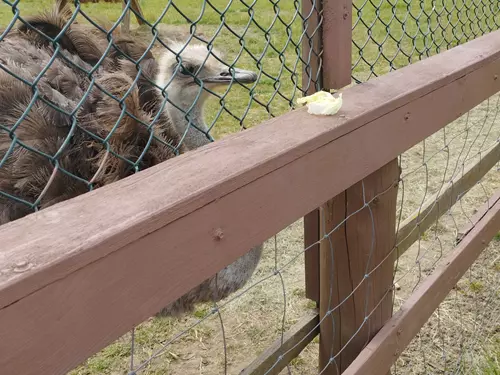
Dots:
{"x": 417, "y": 223}
{"x": 378, "y": 356}
{"x": 283, "y": 350}
{"x": 439, "y": 203}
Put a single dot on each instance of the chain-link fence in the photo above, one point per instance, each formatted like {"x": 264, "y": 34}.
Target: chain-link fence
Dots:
{"x": 255, "y": 45}
{"x": 388, "y": 34}
{"x": 83, "y": 104}
{"x": 245, "y": 57}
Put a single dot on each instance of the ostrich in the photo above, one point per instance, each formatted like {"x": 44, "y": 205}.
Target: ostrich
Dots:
{"x": 49, "y": 155}
{"x": 183, "y": 91}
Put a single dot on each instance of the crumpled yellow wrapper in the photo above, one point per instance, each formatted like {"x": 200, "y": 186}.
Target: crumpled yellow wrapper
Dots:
{"x": 322, "y": 103}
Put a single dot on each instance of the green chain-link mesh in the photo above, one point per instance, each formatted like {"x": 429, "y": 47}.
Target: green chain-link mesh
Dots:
{"x": 266, "y": 36}
{"x": 390, "y": 34}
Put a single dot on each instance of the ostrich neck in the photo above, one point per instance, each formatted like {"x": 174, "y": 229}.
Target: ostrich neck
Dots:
{"x": 194, "y": 138}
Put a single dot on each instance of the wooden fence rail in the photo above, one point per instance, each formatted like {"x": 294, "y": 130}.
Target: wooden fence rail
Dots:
{"x": 392, "y": 339}
{"x": 76, "y": 276}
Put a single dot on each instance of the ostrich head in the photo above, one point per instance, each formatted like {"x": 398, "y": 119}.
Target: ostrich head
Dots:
{"x": 186, "y": 74}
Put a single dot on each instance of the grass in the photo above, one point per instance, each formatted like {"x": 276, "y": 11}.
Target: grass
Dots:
{"x": 254, "y": 320}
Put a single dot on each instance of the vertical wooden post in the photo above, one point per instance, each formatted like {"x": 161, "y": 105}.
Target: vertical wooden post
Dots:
{"x": 358, "y": 245}
{"x": 337, "y": 43}
{"x": 328, "y": 25}
{"x": 336, "y": 48}
{"x": 311, "y": 82}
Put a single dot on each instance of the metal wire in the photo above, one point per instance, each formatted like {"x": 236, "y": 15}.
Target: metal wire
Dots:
{"x": 277, "y": 41}
{"x": 282, "y": 78}
{"x": 390, "y": 34}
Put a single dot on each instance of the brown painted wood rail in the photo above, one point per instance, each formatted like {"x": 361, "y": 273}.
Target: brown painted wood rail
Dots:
{"x": 78, "y": 275}
{"x": 378, "y": 356}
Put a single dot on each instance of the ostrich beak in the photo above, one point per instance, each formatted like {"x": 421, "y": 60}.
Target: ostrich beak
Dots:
{"x": 226, "y": 77}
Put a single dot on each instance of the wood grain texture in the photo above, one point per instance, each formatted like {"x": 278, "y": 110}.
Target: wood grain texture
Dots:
{"x": 311, "y": 255}
{"x": 336, "y": 73}
{"x": 434, "y": 207}
{"x": 105, "y": 261}
{"x": 389, "y": 343}
{"x": 474, "y": 220}
{"x": 294, "y": 341}
{"x": 438, "y": 204}
{"x": 311, "y": 46}
{"x": 337, "y": 43}
{"x": 312, "y": 82}
{"x": 182, "y": 185}
{"x": 361, "y": 222}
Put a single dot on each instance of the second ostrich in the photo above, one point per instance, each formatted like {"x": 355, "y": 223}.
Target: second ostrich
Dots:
{"x": 73, "y": 131}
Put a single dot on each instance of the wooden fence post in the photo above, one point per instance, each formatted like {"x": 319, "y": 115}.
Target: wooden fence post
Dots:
{"x": 329, "y": 30}
{"x": 311, "y": 81}
{"x": 357, "y": 245}
{"x": 336, "y": 266}
{"x": 336, "y": 45}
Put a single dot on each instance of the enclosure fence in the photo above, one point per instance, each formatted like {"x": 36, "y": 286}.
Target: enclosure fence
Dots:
{"x": 399, "y": 192}
{"x": 388, "y": 35}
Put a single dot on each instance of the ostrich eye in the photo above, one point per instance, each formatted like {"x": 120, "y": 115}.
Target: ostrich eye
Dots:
{"x": 188, "y": 70}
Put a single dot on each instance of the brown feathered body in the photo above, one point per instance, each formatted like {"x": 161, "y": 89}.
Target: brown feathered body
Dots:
{"x": 66, "y": 134}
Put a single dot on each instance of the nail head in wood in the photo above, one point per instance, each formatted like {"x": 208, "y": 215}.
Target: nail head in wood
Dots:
{"x": 22, "y": 266}
{"x": 218, "y": 234}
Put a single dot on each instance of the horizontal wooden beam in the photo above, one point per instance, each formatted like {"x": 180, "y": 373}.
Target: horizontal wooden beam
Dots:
{"x": 76, "y": 276}
{"x": 477, "y": 216}
{"x": 438, "y": 204}
{"x": 282, "y": 351}
{"x": 397, "y": 333}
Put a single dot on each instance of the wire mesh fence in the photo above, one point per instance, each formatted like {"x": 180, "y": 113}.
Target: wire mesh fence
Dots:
{"x": 143, "y": 112}
{"x": 254, "y": 49}
{"x": 460, "y": 338}
{"x": 110, "y": 125}
{"x": 388, "y": 34}
{"x": 448, "y": 343}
